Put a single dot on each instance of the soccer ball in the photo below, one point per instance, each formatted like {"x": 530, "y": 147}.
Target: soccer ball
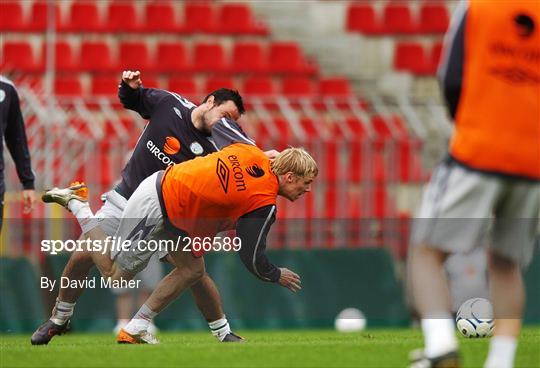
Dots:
{"x": 350, "y": 320}
{"x": 475, "y": 318}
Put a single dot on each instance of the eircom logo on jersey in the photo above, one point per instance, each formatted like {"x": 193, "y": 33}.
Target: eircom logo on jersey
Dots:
{"x": 160, "y": 155}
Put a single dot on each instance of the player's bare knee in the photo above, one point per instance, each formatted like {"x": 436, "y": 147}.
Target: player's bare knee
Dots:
{"x": 201, "y": 282}
{"x": 195, "y": 272}
{"x": 115, "y": 273}
{"x": 198, "y": 274}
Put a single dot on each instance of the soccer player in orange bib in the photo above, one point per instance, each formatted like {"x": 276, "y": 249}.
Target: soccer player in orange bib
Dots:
{"x": 487, "y": 190}
{"x": 177, "y": 131}
{"x": 189, "y": 204}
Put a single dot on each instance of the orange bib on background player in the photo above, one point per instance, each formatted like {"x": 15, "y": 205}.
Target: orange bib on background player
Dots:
{"x": 208, "y": 194}
{"x": 497, "y": 125}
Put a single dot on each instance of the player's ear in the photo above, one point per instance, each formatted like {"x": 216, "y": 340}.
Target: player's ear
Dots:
{"x": 289, "y": 177}
{"x": 210, "y": 101}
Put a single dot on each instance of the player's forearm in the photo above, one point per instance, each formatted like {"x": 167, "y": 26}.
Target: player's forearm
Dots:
{"x": 131, "y": 99}
{"x": 18, "y": 148}
{"x": 260, "y": 265}
{"x": 253, "y": 229}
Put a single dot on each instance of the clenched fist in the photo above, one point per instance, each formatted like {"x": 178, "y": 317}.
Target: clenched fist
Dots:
{"x": 132, "y": 79}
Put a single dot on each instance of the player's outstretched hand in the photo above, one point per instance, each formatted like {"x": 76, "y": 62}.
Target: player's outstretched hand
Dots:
{"x": 29, "y": 200}
{"x": 133, "y": 79}
{"x": 290, "y": 280}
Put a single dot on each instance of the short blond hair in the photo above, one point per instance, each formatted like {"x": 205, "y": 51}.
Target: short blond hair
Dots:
{"x": 296, "y": 160}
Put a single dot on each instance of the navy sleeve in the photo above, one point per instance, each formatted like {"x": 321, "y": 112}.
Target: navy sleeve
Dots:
{"x": 141, "y": 100}
{"x": 226, "y": 132}
{"x": 16, "y": 142}
{"x": 252, "y": 229}
{"x": 451, "y": 69}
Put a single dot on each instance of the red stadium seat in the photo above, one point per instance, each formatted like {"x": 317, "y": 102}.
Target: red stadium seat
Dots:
{"x": 263, "y": 133}
{"x": 199, "y": 17}
{"x": 404, "y": 235}
{"x": 67, "y": 86}
{"x": 134, "y": 56}
{"x": 335, "y": 87}
{"x": 334, "y": 129}
{"x": 149, "y": 81}
{"x": 81, "y": 126}
{"x": 237, "y": 18}
{"x": 330, "y": 204}
{"x": 355, "y": 162}
{"x": 64, "y": 57}
{"x": 84, "y": 17}
{"x": 172, "y": 57}
{"x": 30, "y": 80}
{"x": 209, "y": 57}
{"x": 286, "y": 133}
{"x": 39, "y": 16}
{"x": 184, "y": 86}
{"x": 410, "y": 163}
{"x": 378, "y": 168}
{"x": 310, "y": 128}
{"x": 366, "y": 161}
{"x": 382, "y": 206}
{"x": 361, "y": 17}
{"x": 248, "y": 57}
{"x": 355, "y": 127}
{"x": 105, "y": 85}
{"x": 397, "y": 18}
{"x": 160, "y": 17}
{"x": 435, "y": 57}
{"x": 18, "y": 56}
{"x": 96, "y": 57}
{"x": 216, "y": 82}
{"x": 258, "y": 86}
{"x": 330, "y": 165}
{"x": 122, "y": 16}
{"x": 298, "y": 87}
{"x": 381, "y": 127}
{"x": 410, "y": 56}
{"x": 261, "y": 87}
{"x": 399, "y": 125}
{"x": 104, "y": 163}
{"x": 11, "y": 17}
{"x": 434, "y": 17}
{"x": 286, "y": 57}
{"x": 354, "y": 210}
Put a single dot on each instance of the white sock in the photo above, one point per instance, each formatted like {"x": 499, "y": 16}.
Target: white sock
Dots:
{"x": 439, "y": 336}
{"x": 140, "y": 321}
{"x": 75, "y": 206}
{"x": 502, "y": 350}
{"x": 220, "y": 328}
{"x": 62, "y": 312}
{"x": 84, "y": 215}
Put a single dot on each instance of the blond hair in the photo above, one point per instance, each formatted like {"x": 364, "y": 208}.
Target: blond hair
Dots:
{"x": 297, "y": 161}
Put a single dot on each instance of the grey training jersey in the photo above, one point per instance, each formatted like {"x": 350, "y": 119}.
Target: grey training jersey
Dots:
{"x": 169, "y": 137}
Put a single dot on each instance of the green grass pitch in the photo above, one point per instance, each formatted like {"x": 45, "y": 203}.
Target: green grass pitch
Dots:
{"x": 298, "y": 348}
